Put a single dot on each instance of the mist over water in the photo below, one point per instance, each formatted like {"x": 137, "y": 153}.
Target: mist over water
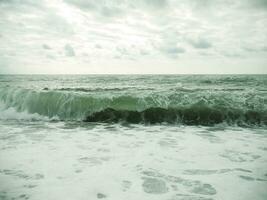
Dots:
{"x": 149, "y": 137}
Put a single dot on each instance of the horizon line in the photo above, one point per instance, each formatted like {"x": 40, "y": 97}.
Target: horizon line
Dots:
{"x": 133, "y": 74}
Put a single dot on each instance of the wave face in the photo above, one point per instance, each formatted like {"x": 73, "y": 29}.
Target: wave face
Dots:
{"x": 189, "y": 100}
{"x": 194, "y": 115}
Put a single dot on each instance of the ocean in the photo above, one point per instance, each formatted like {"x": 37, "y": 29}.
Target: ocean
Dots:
{"x": 147, "y": 137}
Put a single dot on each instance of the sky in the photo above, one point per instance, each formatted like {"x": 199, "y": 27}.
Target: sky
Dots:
{"x": 133, "y": 36}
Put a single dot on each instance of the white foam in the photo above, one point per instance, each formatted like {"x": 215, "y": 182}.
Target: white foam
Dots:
{"x": 115, "y": 162}
{"x": 12, "y": 114}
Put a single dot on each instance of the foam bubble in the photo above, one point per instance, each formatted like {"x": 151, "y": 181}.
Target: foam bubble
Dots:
{"x": 11, "y": 114}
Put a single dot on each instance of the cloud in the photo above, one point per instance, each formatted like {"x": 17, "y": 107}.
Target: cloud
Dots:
{"x": 49, "y": 56}
{"x": 122, "y": 50}
{"x": 98, "y": 46}
{"x": 144, "y": 52}
{"x": 172, "y": 51}
{"x": 151, "y": 4}
{"x": 69, "y": 51}
{"x": 36, "y": 3}
{"x": 131, "y": 32}
{"x": 261, "y": 4}
{"x": 200, "y": 43}
{"x": 83, "y": 4}
{"x": 45, "y": 46}
{"x": 101, "y": 8}
{"x": 117, "y": 8}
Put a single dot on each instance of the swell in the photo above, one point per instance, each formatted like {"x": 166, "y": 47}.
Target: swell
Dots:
{"x": 194, "y": 108}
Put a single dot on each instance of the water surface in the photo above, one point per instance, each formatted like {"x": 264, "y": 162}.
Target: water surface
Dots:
{"x": 133, "y": 137}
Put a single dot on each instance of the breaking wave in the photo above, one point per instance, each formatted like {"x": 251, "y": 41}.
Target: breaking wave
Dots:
{"x": 194, "y": 115}
{"x": 175, "y": 107}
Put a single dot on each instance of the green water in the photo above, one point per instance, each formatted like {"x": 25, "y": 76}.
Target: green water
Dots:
{"x": 149, "y": 137}
{"x": 188, "y": 99}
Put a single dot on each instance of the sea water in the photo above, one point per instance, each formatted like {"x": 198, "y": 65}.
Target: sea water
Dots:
{"x": 162, "y": 137}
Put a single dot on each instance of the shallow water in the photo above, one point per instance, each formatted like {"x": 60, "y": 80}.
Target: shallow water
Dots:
{"x": 49, "y": 149}
{"x": 80, "y": 161}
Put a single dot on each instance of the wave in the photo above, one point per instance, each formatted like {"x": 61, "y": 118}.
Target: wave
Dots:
{"x": 173, "y": 107}
{"x": 12, "y": 114}
{"x": 100, "y": 89}
{"x": 194, "y": 115}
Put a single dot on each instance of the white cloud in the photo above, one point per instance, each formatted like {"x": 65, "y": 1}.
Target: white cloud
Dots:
{"x": 122, "y": 35}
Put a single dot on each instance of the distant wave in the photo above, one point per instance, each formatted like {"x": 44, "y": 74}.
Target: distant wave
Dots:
{"x": 97, "y": 89}
{"x": 173, "y": 107}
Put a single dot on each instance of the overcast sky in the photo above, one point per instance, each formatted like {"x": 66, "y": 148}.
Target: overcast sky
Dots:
{"x": 133, "y": 36}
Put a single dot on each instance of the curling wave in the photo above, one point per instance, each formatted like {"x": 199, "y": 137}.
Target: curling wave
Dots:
{"x": 189, "y": 108}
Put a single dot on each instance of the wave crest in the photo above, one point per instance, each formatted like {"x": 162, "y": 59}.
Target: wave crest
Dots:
{"x": 190, "y": 108}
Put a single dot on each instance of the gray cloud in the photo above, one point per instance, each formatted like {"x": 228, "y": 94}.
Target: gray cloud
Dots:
{"x": 175, "y": 50}
{"x": 69, "y": 51}
{"x": 36, "y": 3}
{"x": 122, "y": 50}
{"x": 49, "y": 56}
{"x": 98, "y": 46}
{"x": 144, "y": 52}
{"x": 102, "y": 8}
{"x": 172, "y": 51}
{"x": 114, "y": 8}
{"x": 151, "y": 4}
{"x": 45, "y": 46}
{"x": 83, "y": 4}
{"x": 262, "y": 4}
{"x": 200, "y": 43}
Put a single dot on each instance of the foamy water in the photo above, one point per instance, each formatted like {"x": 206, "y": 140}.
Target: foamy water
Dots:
{"x": 48, "y": 161}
